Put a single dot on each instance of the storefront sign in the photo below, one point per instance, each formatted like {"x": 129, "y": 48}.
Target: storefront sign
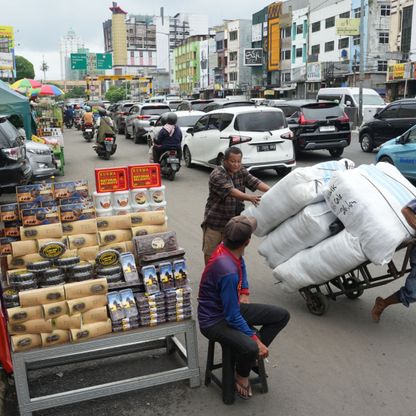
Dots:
{"x": 111, "y": 179}
{"x": 398, "y": 71}
{"x": 313, "y": 72}
{"x": 347, "y": 27}
{"x": 414, "y": 70}
{"x": 144, "y": 176}
{"x": 256, "y": 33}
{"x": 253, "y": 57}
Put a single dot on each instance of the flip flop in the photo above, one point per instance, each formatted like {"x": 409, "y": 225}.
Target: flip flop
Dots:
{"x": 246, "y": 389}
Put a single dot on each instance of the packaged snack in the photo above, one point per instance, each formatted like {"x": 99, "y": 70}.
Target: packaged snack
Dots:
{"x": 66, "y": 322}
{"x": 21, "y": 248}
{"x": 147, "y": 218}
{"x": 156, "y": 243}
{"x": 39, "y": 216}
{"x": 87, "y": 288}
{"x": 157, "y": 195}
{"x": 82, "y": 240}
{"x": 139, "y": 197}
{"x": 6, "y": 245}
{"x": 71, "y": 189}
{"x": 9, "y": 212}
{"x": 115, "y": 222}
{"x": 151, "y": 284}
{"x": 102, "y": 200}
{"x": 129, "y": 267}
{"x": 35, "y": 193}
{"x": 24, "y": 314}
{"x": 128, "y": 303}
{"x": 57, "y": 337}
{"x": 35, "y": 326}
{"x": 41, "y": 231}
{"x": 122, "y": 211}
{"x": 12, "y": 229}
{"x": 95, "y": 315}
{"x": 25, "y": 342}
{"x": 104, "y": 212}
{"x": 114, "y": 236}
{"x": 148, "y": 229}
{"x": 80, "y": 227}
{"x": 42, "y": 296}
{"x": 83, "y": 305}
{"x": 77, "y": 212}
{"x": 54, "y": 310}
{"x": 121, "y": 199}
{"x": 180, "y": 273}
{"x": 91, "y": 331}
{"x": 166, "y": 276}
{"x": 115, "y": 306}
{"x": 75, "y": 200}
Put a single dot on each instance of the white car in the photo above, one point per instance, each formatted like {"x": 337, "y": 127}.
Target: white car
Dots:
{"x": 41, "y": 160}
{"x": 260, "y": 132}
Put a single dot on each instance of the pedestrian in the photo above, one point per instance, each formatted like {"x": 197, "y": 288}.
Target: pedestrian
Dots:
{"x": 227, "y": 185}
{"x": 407, "y": 293}
{"x": 225, "y": 313}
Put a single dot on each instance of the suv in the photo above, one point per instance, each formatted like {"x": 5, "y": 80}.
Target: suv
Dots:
{"x": 119, "y": 115}
{"x": 317, "y": 125}
{"x": 14, "y": 167}
{"x": 261, "y": 133}
{"x": 188, "y": 105}
{"x": 217, "y": 104}
{"x": 392, "y": 121}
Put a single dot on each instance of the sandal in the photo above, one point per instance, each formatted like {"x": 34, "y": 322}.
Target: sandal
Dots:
{"x": 243, "y": 391}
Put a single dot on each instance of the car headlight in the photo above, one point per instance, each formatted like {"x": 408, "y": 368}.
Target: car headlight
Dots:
{"x": 45, "y": 152}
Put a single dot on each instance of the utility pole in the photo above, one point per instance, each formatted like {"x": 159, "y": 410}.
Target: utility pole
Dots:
{"x": 360, "y": 99}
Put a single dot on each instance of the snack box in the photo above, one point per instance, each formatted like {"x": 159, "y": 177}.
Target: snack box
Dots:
{"x": 19, "y": 314}
{"x": 180, "y": 273}
{"x": 9, "y": 212}
{"x": 75, "y": 200}
{"x": 12, "y": 229}
{"x": 41, "y": 231}
{"x": 42, "y": 296}
{"x": 77, "y": 212}
{"x": 6, "y": 245}
{"x": 150, "y": 281}
{"x": 128, "y": 303}
{"x": 115, "y": 306}
{"x": 87, "y": 288}
{"x": 25, "y": 342}
{"x": 40, "y": 216}
{"x": 71, "y": 189}
{"x": 66, "y": 322}
{"x": 166, "y": 278}
{"x": 35, "y": 326}
{"x": 35, "y": 193}
{"x": 95, "y": 315}
{"x": 80, "y": 227}
{"x": 155, "y": 243}
{"x": 129, "y": 267}
{"x": 48, "y": 204}
{"x": 89, "y": 331}
{"x": 57, "y": 337}
{"x": 83, "y": 305}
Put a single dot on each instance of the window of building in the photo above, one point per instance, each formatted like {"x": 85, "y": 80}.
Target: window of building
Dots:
{"x": 345, "y": 15}
{"x": 233, "y": 35}
{"x": 225, "y": 43}
{"x": 299, "y": 29}
{"x": 299, "y": 53}
{"x": 287, "y": 54}
{"x": 329, "y": 46}
{"x": 382, "y": 66}
{"x": 356, "y": 40}
{"x": 316, "y": 27}
{"x": 233, "y": 56}
{"x": 385, "y": 10}
{"x": 343, "y": 43}
{"x": 286, "y": 77}
{"x": 220, "y": 45}
{"x": 357, "y": 12}
{"x": 315, "y": 49}
{"x": 383, "y": 37}
{"x": 287, "y": 32}
{"x": 219, "y": 62}
{"x": 330, "y": 22}
{"x": 233, "y": 76}
{"x": 407, "y": 17}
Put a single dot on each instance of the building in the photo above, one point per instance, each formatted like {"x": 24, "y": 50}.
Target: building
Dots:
{"x": 70, "y": 43}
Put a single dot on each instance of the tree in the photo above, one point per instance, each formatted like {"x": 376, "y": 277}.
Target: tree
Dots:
{"x": 44, "y": 68}
{"x": 76, "y": 92}
{"x": 115, "y": 94}
{"x": 24, "y": 68}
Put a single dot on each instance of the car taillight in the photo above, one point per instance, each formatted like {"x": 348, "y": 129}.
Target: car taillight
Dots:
{"x": 14, "y": 153}
{"x": 239, "y": 139}
{"x": 108, "y": 139}
{"x": 143, "y": 117}
{"x": 344, "y": 119}
{"x": 303, "y": 120}
{"x": 288, "y": 136}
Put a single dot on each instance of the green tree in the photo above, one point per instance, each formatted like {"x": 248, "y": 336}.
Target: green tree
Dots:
{"x": 76, "y": 92}
{"x": 115, "y": 93}
{"x": 24, "y": 68}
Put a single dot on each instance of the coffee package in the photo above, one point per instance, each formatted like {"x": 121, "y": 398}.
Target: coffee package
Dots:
{"x": 83, "y": 305}
{"x": 89, "y": 331}
{"x": 57, "y": 337}
{"x": 25, "y": 342}
{"x": 43, "y": 296}
{"x": 87, "y": 288}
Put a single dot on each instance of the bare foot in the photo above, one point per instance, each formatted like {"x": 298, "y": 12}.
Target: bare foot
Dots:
{"x": 378, "y": 308}
{"x": 242, "y": 386}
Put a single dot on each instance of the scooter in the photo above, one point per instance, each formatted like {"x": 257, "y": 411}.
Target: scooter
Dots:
{"x": 69, "y": 123}
{"x": 107, "y": 147}
{"x": 170, "y": 163}
{"x": 88, "y": 132}
{"x": 78, "y": 123}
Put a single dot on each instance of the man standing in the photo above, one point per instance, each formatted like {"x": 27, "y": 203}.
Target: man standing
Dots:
{"x": 407, "y": 293}
{"x": 224, "y": 312}
{"x": 227, "y": 186}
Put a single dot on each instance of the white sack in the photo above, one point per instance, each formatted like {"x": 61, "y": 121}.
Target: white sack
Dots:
{"x": 301, "y": 187}
{"x": 332, "y": 257}
{"x": 369, "y": 203}
{"x": 305, "y": 229}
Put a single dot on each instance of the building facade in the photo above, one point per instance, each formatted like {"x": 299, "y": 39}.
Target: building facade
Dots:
{"x": 70, "y": 43}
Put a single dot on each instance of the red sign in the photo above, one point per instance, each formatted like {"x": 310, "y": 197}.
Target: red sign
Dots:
{"x": 144, "y": 176}
{"x": 111, "y": 179}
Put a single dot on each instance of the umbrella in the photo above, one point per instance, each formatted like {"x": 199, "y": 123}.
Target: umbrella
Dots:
{"x": 47, "y": 89}
{"x": 25, "y": 84}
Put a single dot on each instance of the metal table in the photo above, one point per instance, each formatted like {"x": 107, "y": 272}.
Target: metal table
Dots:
{"x": 142, "y": 339}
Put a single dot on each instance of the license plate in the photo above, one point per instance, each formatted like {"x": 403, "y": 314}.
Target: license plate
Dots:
{"x": 327, "y": 128}
{"x": 88, "y": 130}
{"x": 266, "y": 147}
{"x": 172, "y": 160}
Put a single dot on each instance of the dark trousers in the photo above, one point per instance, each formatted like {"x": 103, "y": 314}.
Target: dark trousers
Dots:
{"x": 272, "y": 320}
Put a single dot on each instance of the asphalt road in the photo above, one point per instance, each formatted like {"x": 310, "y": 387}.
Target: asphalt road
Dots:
{"x": 341, "y": 363}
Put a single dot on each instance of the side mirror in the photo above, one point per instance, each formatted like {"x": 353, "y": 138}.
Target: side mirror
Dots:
{"x": 152, "y": 123}
{"x": 402, "y": 139}
{"x": 376, "y": 115}
{"x": 190, "y": 130}
{"x": 348, "y": 103}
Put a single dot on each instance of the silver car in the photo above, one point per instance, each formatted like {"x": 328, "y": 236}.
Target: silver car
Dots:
{"x": 41, "y": 159}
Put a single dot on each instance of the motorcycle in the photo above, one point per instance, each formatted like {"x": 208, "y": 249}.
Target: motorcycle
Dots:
{"x": 88, "y": 132}
{"x": 69, "y": 123}
{"x": 170, "y": 163}
{"x": 107, "y": 147}
{"x": 78, "y": 123}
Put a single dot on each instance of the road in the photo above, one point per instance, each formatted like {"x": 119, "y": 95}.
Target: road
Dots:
{"x": 341, "y": 363}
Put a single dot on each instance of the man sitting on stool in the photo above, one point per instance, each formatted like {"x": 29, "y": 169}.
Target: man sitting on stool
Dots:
{"x": 224, "y": 312}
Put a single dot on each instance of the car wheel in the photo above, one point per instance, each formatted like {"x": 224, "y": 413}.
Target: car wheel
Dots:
{"x": 136, "y": 137}
{"x": 367, "y": 144}
{"x": 127, "y": 134}
{"x": 386, "y": 159}
{"x": 220, "y": 160}
{"x": 119, "y": 129}
{"x": 337, "y": 152}
{"x": 187, "y": 157}
{"x": 282, "y": 171}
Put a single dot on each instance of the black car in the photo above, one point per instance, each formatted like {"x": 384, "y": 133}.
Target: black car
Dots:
{"x": 317, "y": 125}
{"x": 216, "y": 104}
{"x": 14, "y": 167}
{"x": 188, "y": 105}
{"x": 388, "y": 123}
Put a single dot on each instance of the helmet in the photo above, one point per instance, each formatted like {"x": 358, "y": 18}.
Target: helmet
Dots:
{"x": 87, "y": 108}
{"x": 164, "y": 118}
{"x": 171, "y": 118}
{"x": 102, "y": 112}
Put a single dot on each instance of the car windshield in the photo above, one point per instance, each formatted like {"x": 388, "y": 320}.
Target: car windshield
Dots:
{"x": 370, "y": 99}
{"x": 260, "y": 121}
{"x": 322, "y": 112}
{"x": 154, "y": 110}
{"x": 199, "y": 106}
{"x": 8, "y": 135}
{"x": 174, "y": 104}
{"x": 188, "y": 121}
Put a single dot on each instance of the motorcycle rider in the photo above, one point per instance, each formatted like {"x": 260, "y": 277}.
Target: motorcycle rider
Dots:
{"x": 87, "y": 118}
{"x": 69, "y": 115}
{"x": 104, "y": 125}
{"x": 169, "y": 137}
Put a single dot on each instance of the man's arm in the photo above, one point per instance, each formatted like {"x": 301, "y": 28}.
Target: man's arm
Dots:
{"x": 409, "y": 216}
{"x": 242, "y": 196}
{"x": 263, "y": 187}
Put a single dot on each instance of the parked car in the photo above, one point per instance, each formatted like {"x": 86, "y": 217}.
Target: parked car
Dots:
{"x": 391, "y": 121}
{"x": 173, "y": 104}
{"x": 188, "y": 105}
{"x": 260, "y": 132}
{"x": 317, "y": 125}
{"x": 216, "y": 104}
{"x": 14, "y": 167}
{"x": 401, "y": 152}
{"x": 119, "y": 115}
{"x": 139, "y": 118}
{"x": 41, "y": 160}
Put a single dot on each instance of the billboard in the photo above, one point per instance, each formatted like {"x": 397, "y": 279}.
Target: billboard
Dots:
{"x": 6, "y": 61}
{"x": 203, "y": 62}
{"x": 253, "y": 57}
{"x": 8, "y": 33}
{"x": 347, "y": 27}
{"x": 274, "y": 45}
{"x": 313, "y": 72}
{"x": 256, "y": 32}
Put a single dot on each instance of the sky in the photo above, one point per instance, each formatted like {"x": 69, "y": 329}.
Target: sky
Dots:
{"x": 39, "y": 24}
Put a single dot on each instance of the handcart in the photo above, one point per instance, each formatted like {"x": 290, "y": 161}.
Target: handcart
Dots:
{"x": 353, "y": 283}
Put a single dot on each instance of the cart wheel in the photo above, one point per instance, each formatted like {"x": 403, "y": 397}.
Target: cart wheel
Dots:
{"x": 317, "y": 303}
{"x": 352, "y": 288}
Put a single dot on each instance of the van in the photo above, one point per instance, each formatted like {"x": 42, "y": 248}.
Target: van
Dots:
{"x": 349, "y": 97}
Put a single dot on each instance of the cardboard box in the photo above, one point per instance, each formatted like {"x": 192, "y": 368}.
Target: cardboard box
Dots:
{"x": 35, "y": 193}
{"x": 42, "y": 296}
{"x": 91, "y": 331}
{"x": 41, "y": 231}
{"x": 148, "y": 229}
{"x": 155, "y": 243}
{"x": 114, "y": 236}
{"x": 95, "y": 315}
{"x": 82, "y": 240}
{"x": 67, "y": 322}
{"x": 6, "y": 245}
{"x": 20, "y": 262}
{"x": 80, "y": 227}
{"x": 87, "y": 288}
{"x": 58, "y": 336}
{"x": 25, "y": 342}
{"x": 9, "y": 212}
{"x": 147, "y": 218}
{"x": 77, "y": 212}
{"x": 120, "y": 247}
{"x": 83, "y": 305}
{"x": 20, "y": 315}
{"x": 54, "y": 310}
{"x": 21, "y": 248}
{"x": 71, "y": 189}
{"x": 75, "y": 200}
{"x": 88, "y": 253}
{"x": 115, "y": 222}
{"x": 12, "y": 229}
{"x": 35, "y": 326}
{"x": 40, "y": 216}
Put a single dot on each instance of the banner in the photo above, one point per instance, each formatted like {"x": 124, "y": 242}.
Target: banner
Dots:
{"x": 7, "y": 32}
{"x": 347, "y": 27}
{"x": 111, "y": 179}
{"x": 144, "y": 176}
{"x": 6, "y": 61}
{"x": 253, "y": 57}
{"x": 256, "y": 33}
{"x": 203, "y": 61}
{"x": 313, "y": 72}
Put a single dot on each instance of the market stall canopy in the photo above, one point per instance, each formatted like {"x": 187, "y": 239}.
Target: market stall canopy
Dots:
{"x": 47, "y": 90}
{"x": 11, "y": 103}
{"x": 25, "y": 84}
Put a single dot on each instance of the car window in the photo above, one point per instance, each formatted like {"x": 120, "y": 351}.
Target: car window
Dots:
{"x": 211, "y": 107}
{"x": 154, "y": 110}
{"x": 370, "y": 99}
{"x": 201, "y": 124}
{"x": 336, "y": 97}
{"x": 188, "y": 121}
{"x": 322, "y": 111}
{"x": 214, "y": 122}
{"x": 407, "y": 110}
{"x": 8, "y": 135}
{"x": 126, "y": 107}
{"x": 174, "y": 104}
{"x": 349, "y": 98}
{"x": 199, "y": 106}
{"x": 134, "y": 110}
{"x": 390, "y": 112}
{"x": 260, "y": 121}
{"x": 287, "y": 110}
{"x": 411, "y": 138}
{"x": 226, "y": 120}
{"x": 183, "y": 107}
{"x": 158, "y": 122}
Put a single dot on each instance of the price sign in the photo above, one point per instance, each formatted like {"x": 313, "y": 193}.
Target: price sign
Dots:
{"x": 111, "y": 179}
{"x": 144, "y": 176}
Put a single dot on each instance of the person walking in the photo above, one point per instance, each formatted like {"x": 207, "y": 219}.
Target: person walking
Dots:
{"x": 227, "y": 185}
{"x": 225, "y": 313}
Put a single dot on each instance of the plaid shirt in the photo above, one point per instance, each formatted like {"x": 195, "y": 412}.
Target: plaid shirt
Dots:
{"x": 221, "y": 207}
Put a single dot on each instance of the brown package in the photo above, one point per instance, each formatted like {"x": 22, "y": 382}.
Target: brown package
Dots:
{"x": 41, "y": 231}
{"x": 58, "y": 336}
{"x": 120, "y": 247}
{"x": 88, "y": 253}
{"x": 46, "y": 295}
{"x": 21, "y": 248}
{"x": 80, "y": 227}
{"x": 148, "y": 229}
{"x": 20, "y": 262}
{"x": 95, "y": 315}
{"x": 86, "y": 304}
{"x": 114, "y": 222}
{"x": 147, "y": 218}
{"x": 112, "y": 237}
{"x": 87, "y": 288}
{"x": 82, "y": 240}
{"x": 19, "y": 315}
{"x": 36, "y": 326}
{"x": 91, "y": 331}
{"x": 25, "y": 342}
{"x": 70, "y": 253}
{"x": 54, "y": 310}
{"x": 41, "y": 242}
{"x": 66, "y": 322}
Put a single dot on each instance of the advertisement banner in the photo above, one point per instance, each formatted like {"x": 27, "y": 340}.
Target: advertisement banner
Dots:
{"x": 313, "y": 72}
{"x": 6, "y": 61}
{"x": 203, "y": 61}
{"x": 111, "y": 179}
{"x": 256, "y": 33}
{"x": 7, "y": 32}
{"x": 144, "y": 176}
{"x": 398, "y": 71}
{"x": 347, "y": 27}
{"x": 274, "y": 45}
{"x": 253, "y": 57}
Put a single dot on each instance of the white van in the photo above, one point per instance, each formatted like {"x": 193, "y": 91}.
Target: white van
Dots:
{"x": 349, "y": 97}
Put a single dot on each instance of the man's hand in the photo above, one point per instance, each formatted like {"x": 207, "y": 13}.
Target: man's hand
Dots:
{"x": 263, "y": 350}
{"x": 254, "y": 199}
{"x": 244, "y": 299}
